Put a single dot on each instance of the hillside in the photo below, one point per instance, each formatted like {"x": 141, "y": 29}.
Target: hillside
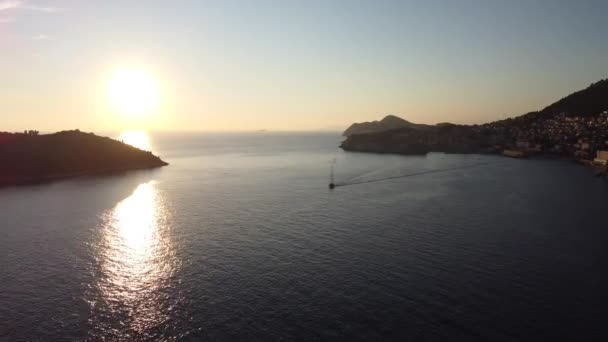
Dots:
{"x": 576, "y": 125}
{"x": 387, "y": 123}
{"x": 587, "y": 102}
{"x": 444, "y": 138}
{"x": 29, "y": 157}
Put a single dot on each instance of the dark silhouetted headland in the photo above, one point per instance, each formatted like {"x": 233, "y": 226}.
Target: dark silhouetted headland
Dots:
{"x": 387, "y": 123}
{"x": 575, "y": 126}
{"x": 30, "y": 157}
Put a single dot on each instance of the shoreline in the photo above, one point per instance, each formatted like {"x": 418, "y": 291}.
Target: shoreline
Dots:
{"x": 31, "y": 158}
{"x": 598, "y": 170}
{"x": 53, "y": 178}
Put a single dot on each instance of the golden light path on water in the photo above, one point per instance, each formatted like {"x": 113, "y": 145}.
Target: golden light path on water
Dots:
{"x": 136, "y": 261}
{"x": 137, "y": 139}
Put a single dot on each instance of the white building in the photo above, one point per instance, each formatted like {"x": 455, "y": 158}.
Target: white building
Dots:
{"x": 601, "y": 158}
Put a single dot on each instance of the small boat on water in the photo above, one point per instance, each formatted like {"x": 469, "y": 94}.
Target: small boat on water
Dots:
{"x": 332, "y": 184}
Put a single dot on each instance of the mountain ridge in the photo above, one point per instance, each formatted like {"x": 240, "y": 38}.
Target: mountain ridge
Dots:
{"x": 565, "y": 126}
{"x": 389, "y": 122}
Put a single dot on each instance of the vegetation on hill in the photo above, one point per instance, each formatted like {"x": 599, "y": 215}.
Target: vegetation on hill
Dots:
{"x": 387, "y": 123}
{"x": 30, "y": 157}
{"x": 591, "y": 101}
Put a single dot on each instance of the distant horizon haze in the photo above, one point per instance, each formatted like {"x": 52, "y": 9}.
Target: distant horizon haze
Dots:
{"x": 234, "y": 66}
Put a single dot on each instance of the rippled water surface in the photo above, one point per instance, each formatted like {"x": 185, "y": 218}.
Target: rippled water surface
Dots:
{"x": 240, "y": 239}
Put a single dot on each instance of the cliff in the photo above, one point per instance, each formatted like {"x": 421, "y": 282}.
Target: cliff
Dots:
{"x": 29, "y": 157}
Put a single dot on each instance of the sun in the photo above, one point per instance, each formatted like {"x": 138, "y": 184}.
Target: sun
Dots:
{"x": 133, "y": 92}
{"x": 137, "y": 139}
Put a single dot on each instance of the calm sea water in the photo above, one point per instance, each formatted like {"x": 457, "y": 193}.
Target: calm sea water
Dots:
{"x": 240, "y": 239}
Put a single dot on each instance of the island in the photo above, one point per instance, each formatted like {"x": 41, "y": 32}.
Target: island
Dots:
{"x": 389, "y": 122}
{"x": 575, "y": 126}
{"x": 32, "y": 157}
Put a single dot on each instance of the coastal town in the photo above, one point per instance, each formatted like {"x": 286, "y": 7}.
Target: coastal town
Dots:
{"x": 574, "y": 127}
{"x": 584, "y": 138}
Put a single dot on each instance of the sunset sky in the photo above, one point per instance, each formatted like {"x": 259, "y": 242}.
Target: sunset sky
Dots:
{"x": 290, "y": 65}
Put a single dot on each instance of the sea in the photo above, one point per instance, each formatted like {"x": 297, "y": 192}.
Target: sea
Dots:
{"x": 241, "y": 239}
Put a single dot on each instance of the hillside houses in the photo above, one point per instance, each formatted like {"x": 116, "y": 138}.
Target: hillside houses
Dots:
{"x": 579, "y": 136}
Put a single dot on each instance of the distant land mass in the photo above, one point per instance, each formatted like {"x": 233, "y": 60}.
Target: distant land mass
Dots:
{"x": 31, "y": 157}
{"x": 576, "y": 125}
{"x": 387, "y": 123}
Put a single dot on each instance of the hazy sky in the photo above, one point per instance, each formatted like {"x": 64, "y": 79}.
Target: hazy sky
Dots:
{"x": 301, "y": 65}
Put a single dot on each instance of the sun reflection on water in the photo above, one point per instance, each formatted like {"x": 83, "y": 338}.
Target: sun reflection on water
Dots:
{"x": 136, "y": 263}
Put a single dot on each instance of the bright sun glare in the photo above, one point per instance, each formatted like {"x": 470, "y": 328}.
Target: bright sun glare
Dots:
{"x": 133, "y": 92}
{"x": 137, "y": 139}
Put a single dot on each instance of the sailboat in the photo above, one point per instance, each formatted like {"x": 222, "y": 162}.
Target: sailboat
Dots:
{"x": 332, "y": 184}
